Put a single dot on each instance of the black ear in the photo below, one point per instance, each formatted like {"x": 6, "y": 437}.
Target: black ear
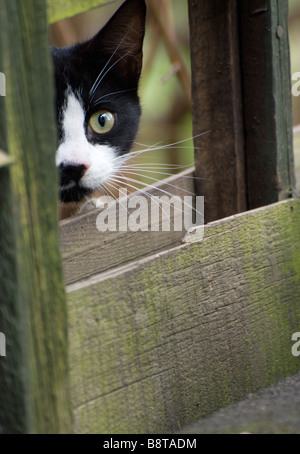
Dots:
{"x": 121, "y": 39}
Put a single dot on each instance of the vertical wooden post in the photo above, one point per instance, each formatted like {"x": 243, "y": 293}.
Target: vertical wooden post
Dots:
{"x": 34, "y": 396}
{"x": 242, "y": 96}
{"x": 267, "y": 101}
{"x": 217, "y": 106}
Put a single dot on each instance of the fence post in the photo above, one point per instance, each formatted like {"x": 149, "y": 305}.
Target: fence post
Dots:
{"x": 267, "y": 101}
{"x": 242, "y": 96}
{"x": 34, "y": 388}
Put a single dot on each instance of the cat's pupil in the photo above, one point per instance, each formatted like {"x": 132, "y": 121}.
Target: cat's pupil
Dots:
{"x": 102, "y": 120}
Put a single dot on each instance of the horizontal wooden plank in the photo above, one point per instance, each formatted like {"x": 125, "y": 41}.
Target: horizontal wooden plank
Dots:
{"x": 273, "y": 410}
{"x": 160, "y": 342}
{"x": 61, "y": 9}
{"x": 86, "y": 250}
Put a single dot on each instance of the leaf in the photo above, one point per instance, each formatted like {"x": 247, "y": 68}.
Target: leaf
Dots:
{"x": 61, "y": 9}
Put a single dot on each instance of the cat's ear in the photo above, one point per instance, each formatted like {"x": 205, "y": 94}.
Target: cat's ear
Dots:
{"x": 121, "y": 39}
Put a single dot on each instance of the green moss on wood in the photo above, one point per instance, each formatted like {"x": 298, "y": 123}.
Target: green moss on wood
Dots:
{"x": 34, "y": 377}
{"x": 189, "y": 330}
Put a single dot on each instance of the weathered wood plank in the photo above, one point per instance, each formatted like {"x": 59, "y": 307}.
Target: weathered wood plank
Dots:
{"x": 34, "y": 373}
{"x": 61, "y": 9}
{"x": 162, "y": 341}
{"x": 267, "y": 101}
{"x": 274, "y": 410}
{"x": 242, "y": 95}
{"x": 84, "y": 247}
{"x": 217, "y": 107}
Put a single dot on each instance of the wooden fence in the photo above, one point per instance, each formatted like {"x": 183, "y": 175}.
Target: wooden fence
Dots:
{"x": 161, "y": 329}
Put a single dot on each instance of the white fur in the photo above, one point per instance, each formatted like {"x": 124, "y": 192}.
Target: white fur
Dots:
{"x": 76, "y": 149}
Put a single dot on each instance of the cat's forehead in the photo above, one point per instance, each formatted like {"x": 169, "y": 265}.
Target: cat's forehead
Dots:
{"x": 69, "y": 73}
{"x": 73, "y": 99}
{"x": 74, "y": 74}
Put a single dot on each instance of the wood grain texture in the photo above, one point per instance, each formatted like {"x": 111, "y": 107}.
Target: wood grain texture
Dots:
{"x": 273, "y": 410}
{"x": 242, "y": 95}
{"x": 61, "y": 9}
{"x": 34, "y": 374}
{"x": 84, "y": 247}
{"x": 267, "y": 101}
{"x": 217, "y": 107}
{"x": 159, "y": 342}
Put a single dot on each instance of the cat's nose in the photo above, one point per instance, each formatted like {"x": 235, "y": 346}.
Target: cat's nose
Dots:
{"x": 71, "y": 173}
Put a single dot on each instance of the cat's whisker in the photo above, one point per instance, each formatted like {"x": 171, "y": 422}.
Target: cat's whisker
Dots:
{"x": 146, "y": 193}
{"x": 171, "y": 145}
{"x": 116, "y": 188}
{"x": 164, "y": 171}
{"x": 108, "y": 191}
{"x": 100, "y": 78}
{"x": 169, "y": 194}
{"x": 106, "y": 72}
{"x": 98, "y": 101}
{"x": 162, "y": 148}
{"x": 134, "y": 154}
{"x": 156, "y": 166}
{"x": 133, "y": 180}
{"x": 160, "y": 165}
{"x": 146, "y": 145}
{"x": 157, "y": 172}
{"x": 150, "y": 148}
{"x": 165, "y": 202}
{"x": 144, "y": 175}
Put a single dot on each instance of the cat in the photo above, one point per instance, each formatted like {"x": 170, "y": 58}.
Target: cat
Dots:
{"x": 98, "y": 106}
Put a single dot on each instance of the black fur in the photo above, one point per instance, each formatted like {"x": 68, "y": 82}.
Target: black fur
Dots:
{"x": 117, "y": 51}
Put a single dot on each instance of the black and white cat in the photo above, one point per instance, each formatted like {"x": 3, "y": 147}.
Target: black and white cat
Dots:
{"x": 98, "y": 108}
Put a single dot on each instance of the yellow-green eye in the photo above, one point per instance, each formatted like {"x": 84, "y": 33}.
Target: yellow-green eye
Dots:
{"x": 102, "y": 122}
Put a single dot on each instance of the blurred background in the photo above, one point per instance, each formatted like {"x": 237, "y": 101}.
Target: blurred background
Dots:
{"x": 165, "y": 83}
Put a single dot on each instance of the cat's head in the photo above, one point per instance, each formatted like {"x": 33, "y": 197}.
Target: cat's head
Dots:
{"x": 98, "y": 107}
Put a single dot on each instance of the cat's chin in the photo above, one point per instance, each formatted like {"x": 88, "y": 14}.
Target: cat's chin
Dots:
{"x": 87, "y": 203}
{"x": 76, "y": 194}
{"x": 67, "y": 210}
{"x": 72, "y": 200}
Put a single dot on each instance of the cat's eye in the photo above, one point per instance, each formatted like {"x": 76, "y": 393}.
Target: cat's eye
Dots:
{"x": 102, "y": 121}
